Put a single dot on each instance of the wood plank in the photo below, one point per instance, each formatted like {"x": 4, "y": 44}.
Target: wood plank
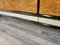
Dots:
{"x": 27, "y": 32}
{"x": 3, "y": 41}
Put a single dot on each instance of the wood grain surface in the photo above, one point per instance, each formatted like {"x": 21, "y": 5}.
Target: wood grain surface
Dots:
{"x": 51, "y": 7}
{"x": 19, "y": 5}
{"x": 22, "y": 32}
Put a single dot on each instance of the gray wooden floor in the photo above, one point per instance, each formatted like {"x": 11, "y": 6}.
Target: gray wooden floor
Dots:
{"x": 21, "y": 32}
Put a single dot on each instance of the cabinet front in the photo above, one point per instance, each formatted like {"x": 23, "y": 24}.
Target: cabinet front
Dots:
{"x": 19, "y": 5}
{"x": 50, "y": 7}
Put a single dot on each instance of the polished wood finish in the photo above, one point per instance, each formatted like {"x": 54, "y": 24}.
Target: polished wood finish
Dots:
{"x": 50, "y": 7}
{"x": 19, "y": 5}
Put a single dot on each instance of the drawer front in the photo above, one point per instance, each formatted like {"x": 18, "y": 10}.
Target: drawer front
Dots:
{"x": 50, "y": 7}
{"x": 19, "y": 5}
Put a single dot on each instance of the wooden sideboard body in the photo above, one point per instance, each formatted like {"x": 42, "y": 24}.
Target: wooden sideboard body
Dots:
{"x": 48, "y": 7}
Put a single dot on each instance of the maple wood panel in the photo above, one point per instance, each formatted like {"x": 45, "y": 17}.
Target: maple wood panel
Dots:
{"x": 19, "y": 5}
{"x": 51, "y": 7}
